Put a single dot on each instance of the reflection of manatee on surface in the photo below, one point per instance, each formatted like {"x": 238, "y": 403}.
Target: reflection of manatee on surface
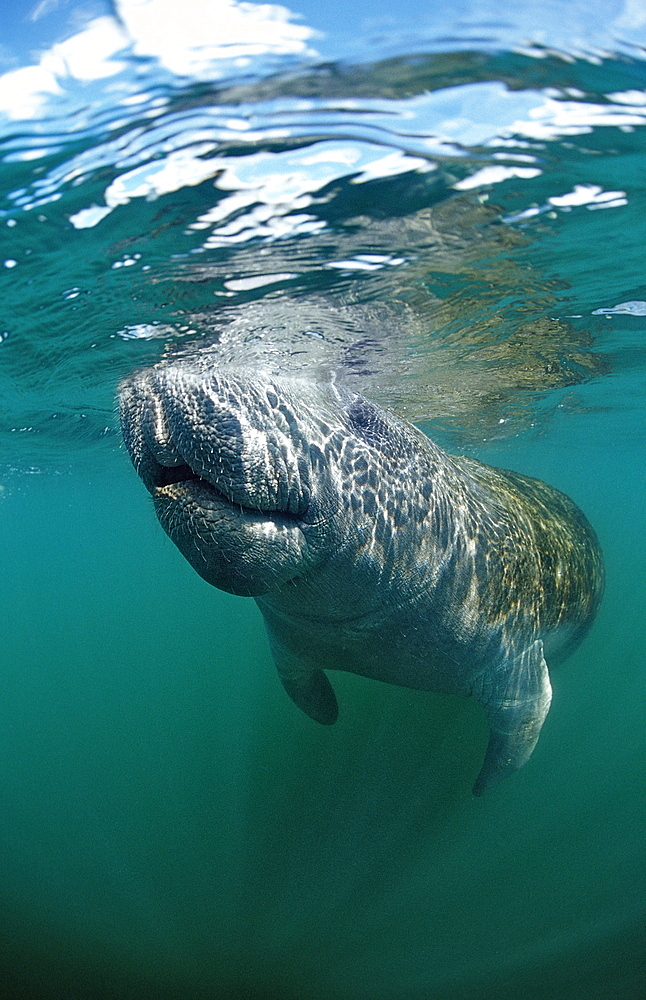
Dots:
{"x": 460, "y": 331}
{"x": 367, "y": 548}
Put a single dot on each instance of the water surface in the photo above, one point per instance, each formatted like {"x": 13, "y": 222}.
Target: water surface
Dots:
{"x": 444, "y": 211}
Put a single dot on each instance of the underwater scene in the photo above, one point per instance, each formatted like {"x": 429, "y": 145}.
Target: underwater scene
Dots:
{"x": 440, "y": 207}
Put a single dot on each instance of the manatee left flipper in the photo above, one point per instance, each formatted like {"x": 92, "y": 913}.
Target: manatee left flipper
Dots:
{"x": 516, "y": 698}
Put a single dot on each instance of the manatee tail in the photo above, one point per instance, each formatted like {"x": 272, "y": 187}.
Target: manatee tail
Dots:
{"x": 516, "y": 698}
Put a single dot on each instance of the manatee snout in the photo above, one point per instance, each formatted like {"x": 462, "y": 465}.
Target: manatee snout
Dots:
{"x": 228, "y": 476}
{"x": 222, "y": 431}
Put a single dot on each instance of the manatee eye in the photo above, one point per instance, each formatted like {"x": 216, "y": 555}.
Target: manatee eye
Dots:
{"x": 368, "y": 422}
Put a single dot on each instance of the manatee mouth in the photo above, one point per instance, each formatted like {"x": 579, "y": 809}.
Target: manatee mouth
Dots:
{"x": 190, "y": 483}
{"x": 170, "y": 483}
{"x": 177, "y": 474}
{"x": 215, "y": 440}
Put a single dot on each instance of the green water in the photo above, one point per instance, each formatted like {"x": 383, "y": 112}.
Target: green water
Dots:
{"x": 171, "y": 826}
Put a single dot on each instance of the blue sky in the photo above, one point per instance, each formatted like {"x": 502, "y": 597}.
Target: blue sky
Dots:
{"x": 363, "y": 28}
{"x": 29, "y": 26}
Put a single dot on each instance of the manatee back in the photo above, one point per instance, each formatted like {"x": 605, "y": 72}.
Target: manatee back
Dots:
{"x": 547, "y": 561}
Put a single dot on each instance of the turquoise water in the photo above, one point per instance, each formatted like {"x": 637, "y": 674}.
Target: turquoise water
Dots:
{"x": 448, "y": 215}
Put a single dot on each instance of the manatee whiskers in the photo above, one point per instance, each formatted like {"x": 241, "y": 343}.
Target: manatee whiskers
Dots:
{"x": 367, "y": 548}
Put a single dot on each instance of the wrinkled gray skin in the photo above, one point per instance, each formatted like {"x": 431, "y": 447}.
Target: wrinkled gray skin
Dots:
{"x": 366, "y": 547}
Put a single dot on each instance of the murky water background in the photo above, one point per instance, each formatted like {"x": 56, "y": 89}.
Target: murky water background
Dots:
{"x": 446, "y": 211}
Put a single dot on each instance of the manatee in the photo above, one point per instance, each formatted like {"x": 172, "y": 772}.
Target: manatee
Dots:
{"x": 367, "y": 547}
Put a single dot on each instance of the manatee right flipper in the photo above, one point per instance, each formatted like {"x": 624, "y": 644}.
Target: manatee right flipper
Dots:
{"x": 516, "y": 698}
{"x": 314, "y": 694}
{"x": 308, "y": 687}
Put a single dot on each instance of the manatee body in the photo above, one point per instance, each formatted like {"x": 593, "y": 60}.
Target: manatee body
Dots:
{"x": 367, "y": 547}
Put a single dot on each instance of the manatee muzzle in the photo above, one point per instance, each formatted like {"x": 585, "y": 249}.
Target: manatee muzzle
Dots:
{"x": 182, "y": 428}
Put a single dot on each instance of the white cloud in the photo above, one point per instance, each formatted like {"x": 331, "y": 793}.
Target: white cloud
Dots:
{"x": 592, "y": 196}
{"x": 494, "y": 175}
{"x": 392, "y": 164}
{"x": 588, "y": 194}
{"x": 268, "y": 188}
{"x": 42, "y": 8}
{"x": 187, "y": 36}
{"x": 555, "y": 118}
{"x": 88, "y": 217}
{"x": 632, "y": 16}
{"x": 635, "y": 97}
{"x": 88, "y": 55}
{"x": 24, "y": 92}
{"x": 182, "y": 168}
{"x": 347, "y": 155}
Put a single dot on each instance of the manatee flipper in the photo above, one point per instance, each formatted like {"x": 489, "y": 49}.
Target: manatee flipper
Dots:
{"x": 313, "y": 693}
{"x": 308, "y": 687}
{"x": 516, "y": 698}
